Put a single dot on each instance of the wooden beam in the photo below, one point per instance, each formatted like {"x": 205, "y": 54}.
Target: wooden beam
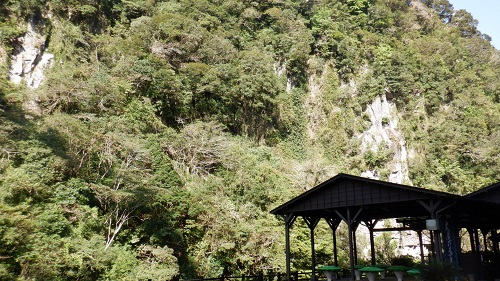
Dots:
{"x": 431, "y": 207}
{"x": 394, "y": 229}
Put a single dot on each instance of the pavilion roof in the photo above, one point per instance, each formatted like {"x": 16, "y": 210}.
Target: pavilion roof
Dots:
{"x": 376, "y": 199}
{"x": 489, "y": 193}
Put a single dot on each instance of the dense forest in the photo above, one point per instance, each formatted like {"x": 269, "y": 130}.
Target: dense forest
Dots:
{"x": 164, "y": 132}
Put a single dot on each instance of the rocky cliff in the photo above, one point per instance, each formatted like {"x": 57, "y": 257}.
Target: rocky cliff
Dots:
{"x": 30, "y": 59}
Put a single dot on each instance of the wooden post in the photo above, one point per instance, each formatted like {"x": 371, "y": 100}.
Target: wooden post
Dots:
{"x": 287, "y": 250}
{"x": 421, "y": 243}
{"x": 351, "y": 247}
{"x": 479, "y": 255}
{"x": 370, "y": 224}
{"x": 312, "y": 222}
{"x": 471, "y": 238}
{"x": 313, "y": 256}
{"x": 433, "y": 249}
{"x": 372, "y": 246}
{"x": 476, "y": 240}
{"x": 334, "y": 224}
{"x": 355, "y": 249}
{"x": 485, "y": 232}
{"x": 495, "y": 245}
{"x": 354, "y": 245}
{"x": 289, "y": 219}
{"x": 350, "y": 221}
{"x": 335, "y": 251}
{"x": 431, "y": 207}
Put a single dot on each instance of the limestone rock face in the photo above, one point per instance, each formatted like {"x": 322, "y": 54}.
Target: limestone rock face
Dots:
{"x": 383, "y": 134}
{"x": 371, "y": 175}
{"x": 30, "y": 59}
{"x": 3, "y": 55}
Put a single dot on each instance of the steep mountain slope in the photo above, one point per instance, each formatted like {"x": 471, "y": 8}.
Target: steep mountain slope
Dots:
{"x": 161, "y": 133}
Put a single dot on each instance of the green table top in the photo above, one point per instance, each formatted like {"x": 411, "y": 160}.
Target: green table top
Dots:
{"x": 414, "y": 272}
{"x": 371, "y": 269}
{"x": 383, "y": 266}
{"x": 329, "y": 268}
{"x": 359, "y": 266}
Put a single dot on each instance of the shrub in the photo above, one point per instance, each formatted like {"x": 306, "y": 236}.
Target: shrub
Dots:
{"x": 403, "y": 260}
{"x": 438, "y": 271}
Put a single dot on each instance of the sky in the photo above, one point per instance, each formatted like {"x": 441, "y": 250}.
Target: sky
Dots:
{"x": 487, "y": 12}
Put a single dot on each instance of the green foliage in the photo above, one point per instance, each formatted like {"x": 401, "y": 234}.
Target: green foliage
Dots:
{"x": 157, "y": 81}
{"x": 385, "y": 248}
{"x": 407, "y": 261}
{"x": 357, "y": 7}
{"x": 375, "y": 159}
{"x": 157, "y": 263}
{"x": 167, "y": 130}
{"x": 140, "y": 117}
{"x": 438, "y": 271}
{"x": 465, "y": 23}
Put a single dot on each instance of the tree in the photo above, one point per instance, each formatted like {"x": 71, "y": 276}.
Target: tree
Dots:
{"x": 464, "y": 21}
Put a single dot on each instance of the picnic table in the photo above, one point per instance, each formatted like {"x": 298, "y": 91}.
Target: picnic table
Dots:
{"x": 357, "y": 273}
{"x": 398, "y": 270}
{"x": 384, "y": 267}
{"x": 330, "y": 271}
{"x": 371, "y": 272}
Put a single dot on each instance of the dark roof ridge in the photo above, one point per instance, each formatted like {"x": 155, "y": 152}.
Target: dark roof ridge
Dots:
{"x": 483, "y": 190}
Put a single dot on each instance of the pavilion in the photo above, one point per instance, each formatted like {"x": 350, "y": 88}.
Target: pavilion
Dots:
{"x": 354, "y": 200}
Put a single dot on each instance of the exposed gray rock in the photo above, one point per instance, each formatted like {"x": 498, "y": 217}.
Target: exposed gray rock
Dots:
{"x": 384, "y": 135}
{"x": 371, "y": 175}
{"x": 3, "y": 55}
{"x": 30, "y": 59}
